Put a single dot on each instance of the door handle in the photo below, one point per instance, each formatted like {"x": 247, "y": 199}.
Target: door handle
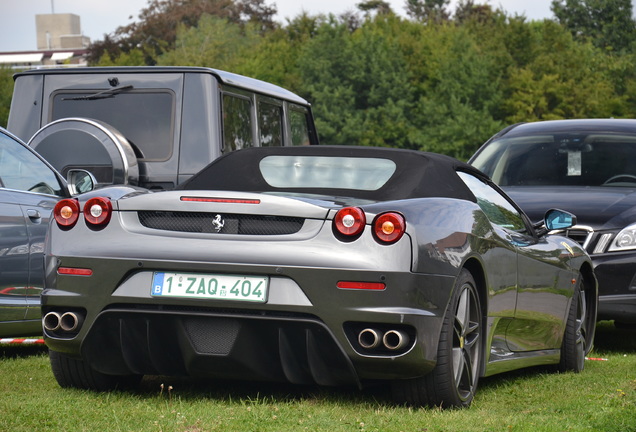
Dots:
{"x": 34, "y": 215}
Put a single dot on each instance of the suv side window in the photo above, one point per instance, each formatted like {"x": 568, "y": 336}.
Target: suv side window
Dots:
{"x": 237, "y": 122}
{"x": 299, "y": 121}
{"x": 496, "y": 207}
{"x": 22, "y": 170}
{"x": 270, "y": 122}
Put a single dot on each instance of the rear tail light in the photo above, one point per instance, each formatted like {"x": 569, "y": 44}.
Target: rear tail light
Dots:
{"x": 350, "y": 221}
{"x": 97, "y": 212}
{"x": 389, "y": 227}
{"x": 66, "y": 212}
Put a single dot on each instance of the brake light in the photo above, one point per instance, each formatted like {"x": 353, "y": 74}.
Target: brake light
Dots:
{"x": 97, "y": 212}
{"x": 221, "y": 200}
{"x": 389, "y": 227}
{"x": 66, "y": 212}
{"x": 350, "y": 221}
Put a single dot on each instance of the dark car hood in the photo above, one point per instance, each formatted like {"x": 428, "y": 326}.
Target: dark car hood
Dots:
{"x": 597, "y": 207}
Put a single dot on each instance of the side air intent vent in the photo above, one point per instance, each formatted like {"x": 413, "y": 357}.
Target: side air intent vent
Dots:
{"x": 580, "y": 234}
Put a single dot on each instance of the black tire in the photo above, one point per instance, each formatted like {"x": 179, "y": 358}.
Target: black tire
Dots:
{"x": 73, "y": 373}
{"x": 453, "y": 381}
{"x": 578, "y": 334}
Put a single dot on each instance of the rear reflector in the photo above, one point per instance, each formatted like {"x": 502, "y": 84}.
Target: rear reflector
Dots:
{"x": 378, "y": 286}
{"x": 74, "y": 271}
{"x": 222, "y": 200}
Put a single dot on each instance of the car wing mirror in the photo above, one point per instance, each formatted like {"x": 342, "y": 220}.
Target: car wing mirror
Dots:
{"x": 558, "y": 220}
{"x": 80, "y": 181}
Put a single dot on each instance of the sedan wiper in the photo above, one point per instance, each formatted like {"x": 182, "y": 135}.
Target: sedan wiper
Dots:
{"x": 102, "y": 94}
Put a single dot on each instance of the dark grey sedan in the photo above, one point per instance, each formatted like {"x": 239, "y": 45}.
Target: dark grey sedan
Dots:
{"x": 29, "y": 189}
{"x": 327, "y": 265}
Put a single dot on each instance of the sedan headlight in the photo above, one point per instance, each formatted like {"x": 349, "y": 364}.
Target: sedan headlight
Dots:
{"x": 624, "y": 240}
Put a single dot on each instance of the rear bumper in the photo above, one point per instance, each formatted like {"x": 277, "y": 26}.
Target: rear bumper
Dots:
{"x": 307, "y": 332}
{"x": 215, "y": 345}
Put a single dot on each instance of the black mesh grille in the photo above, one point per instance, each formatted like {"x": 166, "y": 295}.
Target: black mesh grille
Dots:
{"x": 578, "y": 235}
{"x": 212, "y": 335}
{"x": 197, "y": 222}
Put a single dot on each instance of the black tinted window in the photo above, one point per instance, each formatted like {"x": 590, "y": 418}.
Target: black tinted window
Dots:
{"x": 299, "y": 118}
{"x": 144, "y": 118}
{"x": 270, "y": 120}
{"x": 237, "y": 123}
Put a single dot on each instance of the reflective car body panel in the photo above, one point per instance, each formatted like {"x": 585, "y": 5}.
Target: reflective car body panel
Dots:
{"x": 24, "y": 220}
{"x": 29, "y": 190}
{"x": 584, "y": 167}
{"x": 275, "y": 213}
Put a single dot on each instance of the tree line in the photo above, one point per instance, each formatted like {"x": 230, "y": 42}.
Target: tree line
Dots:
{"x": 435, "y": 80}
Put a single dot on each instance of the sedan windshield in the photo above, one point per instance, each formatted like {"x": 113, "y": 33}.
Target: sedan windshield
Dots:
{"x": 592, "y": 159}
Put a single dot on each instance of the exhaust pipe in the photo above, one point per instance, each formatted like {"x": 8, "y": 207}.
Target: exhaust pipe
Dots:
{"x": 395, "y": 340}
{"x": 70, "y": 321}
{"x": 369, "y": 338}
{"x": 51, "y": 321}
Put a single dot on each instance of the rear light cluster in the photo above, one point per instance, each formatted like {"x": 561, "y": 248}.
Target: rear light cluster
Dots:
{"x": 97, "y": 212}
{"x": 387, "y": 228}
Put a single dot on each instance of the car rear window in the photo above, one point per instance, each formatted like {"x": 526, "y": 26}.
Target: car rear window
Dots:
{"x": 326, "y": 172}
{"x": 143, "y": 117}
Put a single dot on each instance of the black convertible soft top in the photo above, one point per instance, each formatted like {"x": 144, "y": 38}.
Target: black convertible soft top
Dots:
{"x": 417, "y": 174}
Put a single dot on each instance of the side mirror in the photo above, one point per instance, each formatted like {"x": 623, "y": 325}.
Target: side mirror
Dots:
{"x": 80, "y": 181}
{"x": 558, "y": 220}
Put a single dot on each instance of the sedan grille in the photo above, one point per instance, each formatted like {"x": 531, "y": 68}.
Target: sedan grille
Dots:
{"x": 221, "y": 223}
{"x": 581, "y": 234}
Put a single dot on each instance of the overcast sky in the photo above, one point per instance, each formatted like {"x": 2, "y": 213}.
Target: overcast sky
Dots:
{"x": 17, "y": 27}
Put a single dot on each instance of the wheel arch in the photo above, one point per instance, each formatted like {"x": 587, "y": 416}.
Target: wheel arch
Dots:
{"x": 476, "y": 269}
{"x": 591, "y": 298}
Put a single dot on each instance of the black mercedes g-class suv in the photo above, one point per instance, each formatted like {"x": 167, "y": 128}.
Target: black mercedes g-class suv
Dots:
{"x": 152, "y": 127}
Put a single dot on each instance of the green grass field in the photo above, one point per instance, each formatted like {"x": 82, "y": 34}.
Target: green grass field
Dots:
{"x": 601, "y": 398}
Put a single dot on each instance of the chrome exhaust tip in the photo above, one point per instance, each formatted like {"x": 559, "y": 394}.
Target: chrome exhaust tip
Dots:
{"x": 69, "y": 321}
{"x": 369, "y": 338}
{"x": 51, "y": 321}
{"x": 395, "y": 340}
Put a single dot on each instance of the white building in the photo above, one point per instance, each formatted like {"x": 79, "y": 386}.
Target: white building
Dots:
{"x": 60, "y": 43}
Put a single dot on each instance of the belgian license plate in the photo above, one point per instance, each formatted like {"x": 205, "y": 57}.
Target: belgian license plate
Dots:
{"x": 210, "y": 286}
